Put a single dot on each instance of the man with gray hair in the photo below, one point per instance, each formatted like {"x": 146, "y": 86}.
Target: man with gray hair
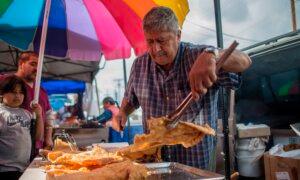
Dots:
{"x": 161, "y": 78}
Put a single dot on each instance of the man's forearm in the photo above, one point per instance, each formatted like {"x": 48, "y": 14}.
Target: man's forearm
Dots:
{"x": 125, "y": 110}
{"x": 237, "y": 62}
{"x": 126, "y": 107}
{"x": 48, "y": 132}
{"x": 39, "y": 128}
{"x": 48, "y": 129}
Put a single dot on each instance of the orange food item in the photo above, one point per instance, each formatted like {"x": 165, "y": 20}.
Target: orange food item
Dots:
{"x": 119, "y": 171}
{"x": 185, "y": 133}
{"x": 96, "y": 157}
{"x": 101, "y": 164}
{"x": 60, "y": 145}
{"x": 94, "y": 164}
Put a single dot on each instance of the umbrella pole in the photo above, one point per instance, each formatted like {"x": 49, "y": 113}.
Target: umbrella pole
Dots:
{"x": 125, "y": 85}
{"x": 41, "y": 51}
{"x": 39, "y": 73}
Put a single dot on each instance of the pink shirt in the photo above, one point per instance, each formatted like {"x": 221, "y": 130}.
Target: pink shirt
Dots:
{"x": 114, "y": 120}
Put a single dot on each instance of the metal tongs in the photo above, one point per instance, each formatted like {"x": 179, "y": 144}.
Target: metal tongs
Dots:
{"x": 69, "y": 139}
{"x": 174, "y": 117}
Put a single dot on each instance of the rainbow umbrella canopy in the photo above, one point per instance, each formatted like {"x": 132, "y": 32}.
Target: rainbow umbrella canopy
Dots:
{"x": 81, "y": 29}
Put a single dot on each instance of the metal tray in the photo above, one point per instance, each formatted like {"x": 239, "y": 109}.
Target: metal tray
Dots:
{"x": 177, "y": 171}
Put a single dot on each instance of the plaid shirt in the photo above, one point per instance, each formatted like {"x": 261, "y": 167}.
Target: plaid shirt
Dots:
{"x": 158, "y": 94}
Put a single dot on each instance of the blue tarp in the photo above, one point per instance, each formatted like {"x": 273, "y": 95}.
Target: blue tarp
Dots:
{"x": 58, "y": 101}
{"x": 115, "y": 136}
{"x": 63, "y": 86}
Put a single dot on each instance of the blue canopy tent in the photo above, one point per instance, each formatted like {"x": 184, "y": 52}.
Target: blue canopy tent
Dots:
{"x": 64, "y": 87}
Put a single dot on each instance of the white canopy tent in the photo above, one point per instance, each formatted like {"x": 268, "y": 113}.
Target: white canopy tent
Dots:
{"x": 52, "y": 67}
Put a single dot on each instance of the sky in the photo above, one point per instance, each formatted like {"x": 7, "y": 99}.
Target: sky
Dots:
{"x": 247, "y": 21}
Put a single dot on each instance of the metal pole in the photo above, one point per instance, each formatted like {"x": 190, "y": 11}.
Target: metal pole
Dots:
{"x": 222, "y": 92}
{"x": 218, "y": 23}
{"x": 96, "y": 84}
{"x": 125, "y": 73}
{"x": 97, "y": 94}
{"x": 79, "y": 106}
{"x": 293, "y": 14}
{"x": 125, "y": 85}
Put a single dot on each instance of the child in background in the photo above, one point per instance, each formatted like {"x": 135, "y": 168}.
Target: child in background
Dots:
{"x": 15, "y": 139}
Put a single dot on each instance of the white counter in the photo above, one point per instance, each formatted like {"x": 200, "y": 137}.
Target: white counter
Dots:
{"x": 33, "y": 172}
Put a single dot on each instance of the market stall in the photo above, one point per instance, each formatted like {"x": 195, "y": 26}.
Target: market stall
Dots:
{"x": 137, "y": 161}
{"x": 83, "y": 135}
{"x": 162, "y": 170}
{"x": 159, "y": 170}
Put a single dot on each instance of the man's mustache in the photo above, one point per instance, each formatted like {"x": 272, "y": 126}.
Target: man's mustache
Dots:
{"x": 160, "y": 53}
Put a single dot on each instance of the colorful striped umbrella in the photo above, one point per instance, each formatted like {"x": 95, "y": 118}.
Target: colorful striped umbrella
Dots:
{"x": 82, "y": 29}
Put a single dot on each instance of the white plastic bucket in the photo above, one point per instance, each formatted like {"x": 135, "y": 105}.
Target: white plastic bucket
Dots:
{"x": 249, "y": 153}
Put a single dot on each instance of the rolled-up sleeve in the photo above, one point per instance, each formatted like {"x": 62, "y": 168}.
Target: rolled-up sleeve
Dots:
{"x": 229, "y": 79}
{"x": 129, "y": 94}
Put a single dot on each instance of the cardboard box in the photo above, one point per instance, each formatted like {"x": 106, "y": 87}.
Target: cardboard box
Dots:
{"x": 281, "y": 168}
{"x": 285, "y": 136}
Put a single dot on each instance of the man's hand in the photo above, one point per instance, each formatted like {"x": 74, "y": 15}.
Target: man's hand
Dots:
{"x": 122, "y": 118}
{"x": 37, "y": 109}
{"x": 48, "y": 143}
{"x": 125, "y": 110}
{"x": 202, "y": 74}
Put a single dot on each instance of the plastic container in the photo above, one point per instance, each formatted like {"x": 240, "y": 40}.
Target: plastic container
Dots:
{"x": 249, "y": 153}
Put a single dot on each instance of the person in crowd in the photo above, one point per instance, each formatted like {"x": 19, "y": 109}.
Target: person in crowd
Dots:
{"x": 15, "y": 138}
{"x": 27, "y": 68}
{"x": 55, "y": 117}
{"x": 64, "y": 113}
{"x": 161, "y": 78}
{"x": 70, "y": 117}
{"x": 108, "y": 117}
